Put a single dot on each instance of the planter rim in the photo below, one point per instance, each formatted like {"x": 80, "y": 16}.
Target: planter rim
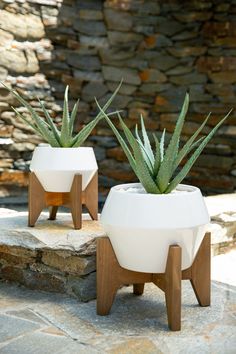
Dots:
{"x": 155, "y": 211}
{"x": 43, "y": 146}
{"x": 184, "y": 189}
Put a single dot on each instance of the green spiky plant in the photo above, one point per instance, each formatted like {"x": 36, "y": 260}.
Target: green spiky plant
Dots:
{"x": 48, "y": 130}
{"x": 157, "y": 169}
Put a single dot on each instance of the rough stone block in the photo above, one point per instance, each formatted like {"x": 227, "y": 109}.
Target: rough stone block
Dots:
{"x": 180, "y": 70}
{"x": 96, "y": 42}
{"x": 152, "y": 75}
{"x": 117, "y": 171}
{"x": 223, "y": 77}
{"x": 90, "y": 28}
{"x": 118, "y": 21}
{"x": 14, "y": 60}
{"x": 189, "y": 17}
{"x": 120, "y": 101}
{"x": 185, "y": 35}
{"x": 182, "y": 52}
{"x": 168, "y": 27}
{"x": 95, "y": 89}
{"x": 153, "y": 89}
{"x": 188, "y": 79}
{"x": 84, "y": 62}
{"x": 213, "y": 29}
{"x": 69, "y": 263}
{"x": 43, "y": 281}
{"x": 88, "y": 14}
{"x": 114, "y": 54}
{"x": 10, "y": 258}
{"x": 116, "y": 153}
{"x": 22, "y": 26}
{"x": 162, "y": 62}
{"x": 130, "y": 76}
{"x": 170, "y": 100}
{"x": 124, "y": 90}
{"x": 123, "y": 38}
{"x": 84, "y": 287}
{"x": 216, "y": 64}
{"x": 105, "y": 141}
{"x": 216, "y": 162}
{"x": 88, "y": 76}
{"x": 89, "y": 4}
{"x": 32, "y": 65}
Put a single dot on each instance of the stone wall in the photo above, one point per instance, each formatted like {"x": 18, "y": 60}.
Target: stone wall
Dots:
{"x": 160, "y": 48}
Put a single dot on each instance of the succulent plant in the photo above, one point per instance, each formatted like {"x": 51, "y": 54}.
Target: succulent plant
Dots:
{"x": 158, "y": 168}
{"x": 49, "y": 131}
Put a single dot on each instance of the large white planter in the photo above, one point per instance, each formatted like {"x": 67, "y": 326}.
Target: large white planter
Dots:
{"x": 55, "y": 167}
{"x": 142, "y": 226}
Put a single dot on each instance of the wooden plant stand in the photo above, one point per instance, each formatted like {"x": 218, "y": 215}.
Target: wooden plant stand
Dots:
{"x": 110, "y": 276}
{"x": 39, "y": 199}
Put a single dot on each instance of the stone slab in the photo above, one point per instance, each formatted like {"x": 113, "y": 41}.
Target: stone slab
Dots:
{"x": 38, "y": 343}
{"x": 55, "y": 235}
{"x": 222, "y": 209}
{"x": 14, "y": 327}
{"x": 136, "y": 324}
{"x": 223, "y": 203}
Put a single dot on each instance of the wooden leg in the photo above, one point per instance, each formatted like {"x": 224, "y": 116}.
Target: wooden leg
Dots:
{"x": 138, "y": 289}
{"x": 76, "y": 201}
{"x": 36, "y": 199}
{"x": 201, "y": 272}
{"x": 107, "y": 285}
{"x": 53, "y": 213}
{"x": 91, "y": 197}
{"x": 173, "y": 288}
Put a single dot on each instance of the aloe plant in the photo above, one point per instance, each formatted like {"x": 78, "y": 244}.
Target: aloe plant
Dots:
{"x": 48, "y": 130}
{"x": 157, "y": 168}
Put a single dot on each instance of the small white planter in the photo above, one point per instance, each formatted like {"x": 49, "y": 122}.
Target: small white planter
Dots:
{"x": 142, "y": 226}
{"x": 55, "y": 167}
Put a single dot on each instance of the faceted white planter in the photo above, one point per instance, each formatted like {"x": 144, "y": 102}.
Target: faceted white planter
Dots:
{"x": 142, "y": 226}
{"x": 55, "y": 167}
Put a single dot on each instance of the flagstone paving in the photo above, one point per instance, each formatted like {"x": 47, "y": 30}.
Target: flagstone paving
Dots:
{"x": 34, "y": 322}
{"x": 37, "y": 322}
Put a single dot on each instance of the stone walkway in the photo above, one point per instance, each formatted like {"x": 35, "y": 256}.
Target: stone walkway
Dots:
{"x": 37, "y": 322}
{"x": 34, "y": 322}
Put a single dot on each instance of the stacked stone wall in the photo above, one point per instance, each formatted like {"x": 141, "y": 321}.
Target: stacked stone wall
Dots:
{"x": 161, "y": 49}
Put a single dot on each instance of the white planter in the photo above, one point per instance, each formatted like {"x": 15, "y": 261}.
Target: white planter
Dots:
{"x": 55, "y": 167}
{"x": 142, "y": 226}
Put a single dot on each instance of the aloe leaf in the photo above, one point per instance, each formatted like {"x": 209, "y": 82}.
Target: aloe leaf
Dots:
{"x": 50, "y": 122}
{"x": 157, "y": 158}
{"x": 84, "y": 133}
{"x": 65, "y": 127}
{"x": 187, "y": 147}
{"x": 166, "y": 168}
{"x": 137, "y": 135}
{"x": 73, "y": 116}
{"x": 182, "y": 174}
{"x": 144, "y": 151}
{"x": 26, "y": 120}
{"x": 162, "y": 145}
{"x": 120, "y": 139}
{"x": 42, "y": 126}
{"x": 147, "y": 144}
{"x": 142, "y": 170}
{"x": 196, "y": 143}
{"x": 108, "y": 103}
